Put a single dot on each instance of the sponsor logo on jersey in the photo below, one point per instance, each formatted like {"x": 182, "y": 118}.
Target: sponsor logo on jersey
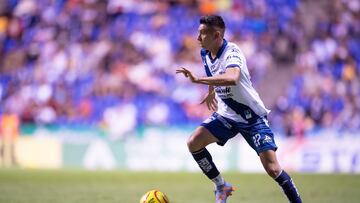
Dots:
{"x": 233, "y": 57}
{"x": 235, "y": 50}
{"x": 223, "y": 92}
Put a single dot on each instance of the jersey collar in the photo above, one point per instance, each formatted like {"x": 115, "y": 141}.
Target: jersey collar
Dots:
{"x": 221, "y": 50}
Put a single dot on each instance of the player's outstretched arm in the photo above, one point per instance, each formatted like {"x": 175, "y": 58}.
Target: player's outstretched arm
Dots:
{"x": 187, "y": 74}
{"x": 229, "y": 78}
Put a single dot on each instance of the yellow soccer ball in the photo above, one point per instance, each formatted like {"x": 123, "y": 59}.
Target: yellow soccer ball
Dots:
{"x": 154, "y": 196}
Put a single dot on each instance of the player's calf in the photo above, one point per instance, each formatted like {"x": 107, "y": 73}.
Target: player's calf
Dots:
{"x": 206, "y": 164}
{"x": 288, "y": 187}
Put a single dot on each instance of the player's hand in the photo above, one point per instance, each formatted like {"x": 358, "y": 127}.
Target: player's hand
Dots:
{"x": 210, "y": 101}
{"x": 187, "y": 74}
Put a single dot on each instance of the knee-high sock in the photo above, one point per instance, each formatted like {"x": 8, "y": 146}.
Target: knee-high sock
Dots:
{"x": 204, "y": 159}
{"x": 288, "y": 187}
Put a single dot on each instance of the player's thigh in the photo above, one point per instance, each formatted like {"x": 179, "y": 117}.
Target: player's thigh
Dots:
{"x": 259, "y": 136}
{"x": 270, "y": 163}
{"x": 268, "y": 157}
{"x": 220, "y": 127}
{"x": 200, "y": 138}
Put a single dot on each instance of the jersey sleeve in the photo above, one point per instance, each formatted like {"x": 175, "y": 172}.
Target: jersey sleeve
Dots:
{"x": 234, "y": 58}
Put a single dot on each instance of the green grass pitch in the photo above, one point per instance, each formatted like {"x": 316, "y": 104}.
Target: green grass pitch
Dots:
{"x": 73, "y": 186}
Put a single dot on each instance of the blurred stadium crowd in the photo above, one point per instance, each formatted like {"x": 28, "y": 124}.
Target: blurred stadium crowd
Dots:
{"x": 112, "y": 63}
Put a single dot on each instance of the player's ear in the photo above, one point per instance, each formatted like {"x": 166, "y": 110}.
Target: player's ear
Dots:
{"x": 217, "y": 34}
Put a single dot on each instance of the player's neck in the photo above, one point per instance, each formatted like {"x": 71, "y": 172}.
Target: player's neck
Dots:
{"x": 216, "y": 49}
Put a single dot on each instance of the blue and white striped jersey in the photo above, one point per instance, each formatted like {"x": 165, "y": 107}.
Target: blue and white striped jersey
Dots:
{"x": 240, "y": 103}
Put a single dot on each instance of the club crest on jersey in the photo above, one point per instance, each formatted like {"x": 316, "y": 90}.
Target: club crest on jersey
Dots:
{"x": 214, "y": 68}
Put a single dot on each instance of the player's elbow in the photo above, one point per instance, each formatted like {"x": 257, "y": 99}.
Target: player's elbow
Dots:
{"x": 234, "y": 77}
{"x": 233, "y": 81}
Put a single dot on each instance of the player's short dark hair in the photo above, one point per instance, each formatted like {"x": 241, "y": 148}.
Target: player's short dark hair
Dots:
{"x": 214, "y": 21}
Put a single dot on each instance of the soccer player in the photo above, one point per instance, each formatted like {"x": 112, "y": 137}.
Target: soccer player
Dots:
{"x": 238, "y": 107}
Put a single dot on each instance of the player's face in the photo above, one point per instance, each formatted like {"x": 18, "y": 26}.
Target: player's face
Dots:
{"x": 206, "y": 36}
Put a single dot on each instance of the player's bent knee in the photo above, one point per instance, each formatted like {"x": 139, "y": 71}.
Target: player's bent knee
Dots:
{"x": 194, "y": 143}
{"x": 200, "y": 139}
{"x": 197, "y": 140}
{"x": 273, "y": 170}
{"x": 190, "y": 143}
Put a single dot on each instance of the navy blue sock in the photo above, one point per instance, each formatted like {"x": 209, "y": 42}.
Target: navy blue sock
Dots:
{"x": 288, "y": 187}
{"x": 204, "y": 159}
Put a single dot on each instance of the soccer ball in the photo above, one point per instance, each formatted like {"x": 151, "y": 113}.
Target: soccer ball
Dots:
{"x": 154, "y": 196}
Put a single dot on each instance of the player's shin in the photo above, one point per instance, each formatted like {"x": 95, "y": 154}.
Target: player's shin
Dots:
{"x": 206, "y": 164}
{"x": 288, "y": 186}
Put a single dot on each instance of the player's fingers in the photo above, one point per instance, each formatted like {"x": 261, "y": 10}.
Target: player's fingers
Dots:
{"x": 213, "y": 105}
{"x": 181, "y": 71}
{"x": 206, "y": 99}
{"x": 186, "y": 71}
{"x": 213, "y": 108}
{"x": 208, "y": 104}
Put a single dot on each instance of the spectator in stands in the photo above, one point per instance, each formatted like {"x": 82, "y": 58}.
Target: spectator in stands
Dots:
{"x": 69, "y": 62}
